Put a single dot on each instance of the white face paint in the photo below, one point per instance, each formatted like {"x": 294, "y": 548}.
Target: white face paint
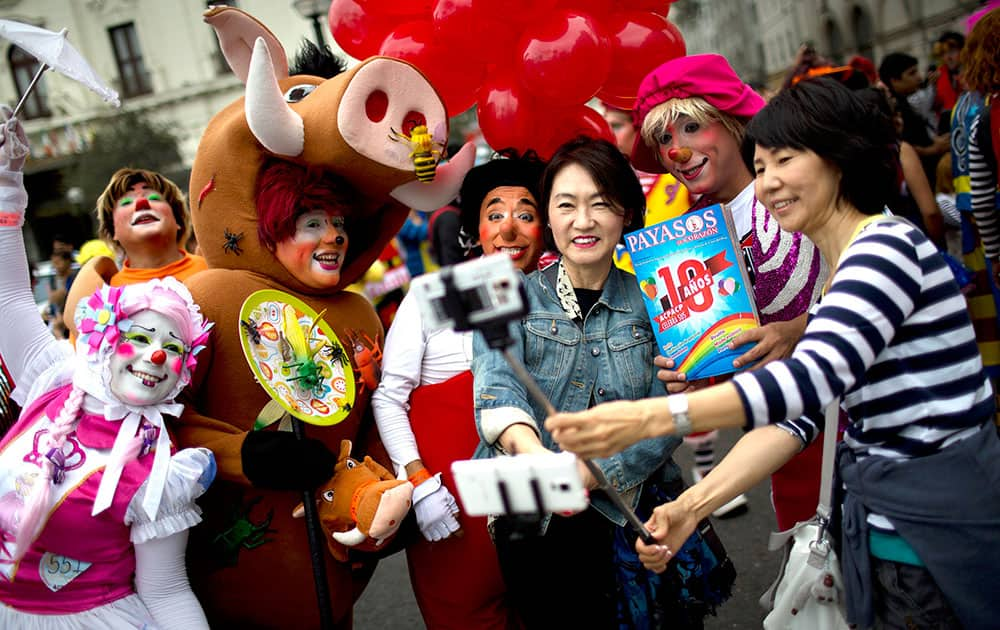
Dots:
{"x": 315, "y": 253}
{"x": 148, "y": 360}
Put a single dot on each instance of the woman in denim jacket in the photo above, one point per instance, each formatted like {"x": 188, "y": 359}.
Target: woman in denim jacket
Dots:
{"x": 586, "y": 339}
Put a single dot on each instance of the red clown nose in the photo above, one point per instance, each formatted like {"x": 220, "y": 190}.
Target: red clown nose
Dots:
{"x": 681, "y": 155}
{"x": 159, "y": 357}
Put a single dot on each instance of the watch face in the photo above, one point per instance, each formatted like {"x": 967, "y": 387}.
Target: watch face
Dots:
{"x": 678, "y": 405}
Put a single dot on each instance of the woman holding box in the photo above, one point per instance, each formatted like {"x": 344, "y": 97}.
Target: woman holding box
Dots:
{"x": 586, "y": 339}
{"x": 920, "y": 460}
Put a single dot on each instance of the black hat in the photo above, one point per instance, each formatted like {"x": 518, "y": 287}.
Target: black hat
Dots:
{"x": 507, "y": 168}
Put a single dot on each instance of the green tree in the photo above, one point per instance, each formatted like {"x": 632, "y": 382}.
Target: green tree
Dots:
{"x": 126, "y": 139}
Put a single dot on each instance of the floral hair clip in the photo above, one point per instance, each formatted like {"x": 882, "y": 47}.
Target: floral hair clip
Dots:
{"x": 101, "y": 318}
{"x": 197, "y": 346}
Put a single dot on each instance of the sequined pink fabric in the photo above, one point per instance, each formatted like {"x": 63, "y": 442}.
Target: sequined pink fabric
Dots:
{"x": 790, "y": 270}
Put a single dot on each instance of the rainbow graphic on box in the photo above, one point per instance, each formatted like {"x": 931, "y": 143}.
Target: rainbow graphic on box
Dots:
{"x": 691, "y": 272}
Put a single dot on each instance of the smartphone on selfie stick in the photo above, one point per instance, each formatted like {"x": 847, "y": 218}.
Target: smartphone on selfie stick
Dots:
{"x": 487, "y": 294}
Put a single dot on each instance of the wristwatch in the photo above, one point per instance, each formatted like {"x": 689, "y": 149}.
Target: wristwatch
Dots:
{"x": 678, "y": 405}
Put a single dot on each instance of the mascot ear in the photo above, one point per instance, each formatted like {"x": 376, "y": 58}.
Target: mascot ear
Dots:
{"x": 345, "y": 450}
{"x": 237, "y": 32}
{"x": 379, "y": 470}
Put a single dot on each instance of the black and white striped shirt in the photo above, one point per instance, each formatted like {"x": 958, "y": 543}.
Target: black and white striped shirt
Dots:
{"x": 983, "y": 189}
{"x": 892, "y": 336}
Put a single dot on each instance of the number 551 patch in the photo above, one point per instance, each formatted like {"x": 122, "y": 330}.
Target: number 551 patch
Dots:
{"x": 58, "y": 571}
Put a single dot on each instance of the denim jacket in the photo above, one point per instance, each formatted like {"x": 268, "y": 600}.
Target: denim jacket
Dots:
{"x": 608, "y": 356}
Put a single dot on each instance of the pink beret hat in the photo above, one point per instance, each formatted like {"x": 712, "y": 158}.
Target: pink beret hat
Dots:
{"x": 709, "y": 77}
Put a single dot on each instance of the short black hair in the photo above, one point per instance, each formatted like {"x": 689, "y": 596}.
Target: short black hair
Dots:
{"x": 952, "y": 39}
{"x": 823, "y": 116}
{"x": 318, "y": 62}
{"x": 876, "y": 98}
{"x": 508, "y": 168}
{"x": 894, "y": 65}
{"x": 610, "y": 170}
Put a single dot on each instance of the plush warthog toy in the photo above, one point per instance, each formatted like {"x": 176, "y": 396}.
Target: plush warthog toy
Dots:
{"x": 362, "y": 506}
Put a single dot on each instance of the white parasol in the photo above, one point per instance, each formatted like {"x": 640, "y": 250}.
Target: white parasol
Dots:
{"x": 53, "y": 51}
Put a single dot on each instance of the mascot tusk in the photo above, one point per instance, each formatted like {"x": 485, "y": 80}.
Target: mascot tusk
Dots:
{"x": 350, "y": 538}
{"x": 275, "y": 125}
{"x": 444, "y": 188}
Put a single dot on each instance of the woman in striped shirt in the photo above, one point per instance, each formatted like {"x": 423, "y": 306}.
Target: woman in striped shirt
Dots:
{"x": 920, "y": 460}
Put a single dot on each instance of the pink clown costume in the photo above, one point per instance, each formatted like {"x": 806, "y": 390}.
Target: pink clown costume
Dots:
{"x": 94, "y": 502}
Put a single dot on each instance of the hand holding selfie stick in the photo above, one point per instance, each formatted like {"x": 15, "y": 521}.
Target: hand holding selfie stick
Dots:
{"x": 457, "y": 303}
{"x": 595, "y": 470}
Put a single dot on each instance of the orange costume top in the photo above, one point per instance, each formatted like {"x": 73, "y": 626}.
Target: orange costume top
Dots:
{"x": 249, "y": 560}
{"x": 182, "y": 269}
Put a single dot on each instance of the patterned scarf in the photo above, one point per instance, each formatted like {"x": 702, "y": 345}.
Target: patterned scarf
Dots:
{"x": 567, "y": 294}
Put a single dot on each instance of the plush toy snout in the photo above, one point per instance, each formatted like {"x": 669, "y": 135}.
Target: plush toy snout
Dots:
{"x": 362, "y": 506}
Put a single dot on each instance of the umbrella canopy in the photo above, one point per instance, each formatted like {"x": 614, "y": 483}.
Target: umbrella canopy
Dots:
{"x": 53, "y": 51}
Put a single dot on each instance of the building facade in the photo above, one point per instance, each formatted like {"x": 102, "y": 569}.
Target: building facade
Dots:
{"x": 838, "y": 29}
{"x": 163, "y": 60}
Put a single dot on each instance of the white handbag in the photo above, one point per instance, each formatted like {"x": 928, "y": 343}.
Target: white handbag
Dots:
{"x": 809, "y": 592}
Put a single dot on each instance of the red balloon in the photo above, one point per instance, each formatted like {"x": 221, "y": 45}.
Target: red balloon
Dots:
{"x": 640, "y": 42}
{"x": 597, "y": 9}
{"x": 661, "y": 7}
{"x": 515, "y": 11}
{"x": 455, "y": 79}
{"x": 358, "y": 32}
{"x": 564, "y": 59}
{"x": 469, "y": 33}
{"x": 566, "y": 124}
{"x": 397, "y": 7}
{"x": 506, "y": 113}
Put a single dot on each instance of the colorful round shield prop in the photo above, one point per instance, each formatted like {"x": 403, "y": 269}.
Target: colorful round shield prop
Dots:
{"x": 297, "y": 357}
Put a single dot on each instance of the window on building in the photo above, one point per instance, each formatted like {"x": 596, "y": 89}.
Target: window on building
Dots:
{"x": 863, "y": 31}
{"x": 834, "y": 39}
{"x": 23, "y": 67}
{"x": 132, "y": 73}
{"x": 221, "y": 65}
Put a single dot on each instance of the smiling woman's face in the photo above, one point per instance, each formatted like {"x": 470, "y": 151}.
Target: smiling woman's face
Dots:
{"x": 585, "y": 224}
{"x": 315, "y": 253}
{"x": 142, "y": 214}
{"x": 798, "y": 187}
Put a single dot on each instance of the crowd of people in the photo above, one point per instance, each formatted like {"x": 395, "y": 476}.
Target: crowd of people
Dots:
{"x": 137, "y": 488}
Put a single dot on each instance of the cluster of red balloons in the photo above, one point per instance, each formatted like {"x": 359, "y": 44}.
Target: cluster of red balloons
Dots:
{"x": 530, "y": 66}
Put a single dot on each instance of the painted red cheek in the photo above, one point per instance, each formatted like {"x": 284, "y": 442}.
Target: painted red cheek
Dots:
{"x": 534, "y": 231}
{"x": 177, "y": 365}
{"x": 125, "y": 350}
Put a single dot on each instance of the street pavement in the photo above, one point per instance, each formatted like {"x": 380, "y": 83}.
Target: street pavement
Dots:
{"x": 388, "y": 603}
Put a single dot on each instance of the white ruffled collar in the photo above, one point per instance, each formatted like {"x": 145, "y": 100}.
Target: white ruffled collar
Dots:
{"x": 100, "y": 401}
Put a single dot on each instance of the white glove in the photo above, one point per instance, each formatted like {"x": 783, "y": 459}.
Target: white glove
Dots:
{"x": 436, "y": 509}
{"x": 13, "y": 151}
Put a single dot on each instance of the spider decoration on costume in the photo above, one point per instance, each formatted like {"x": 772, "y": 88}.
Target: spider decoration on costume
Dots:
{"x": 335, "y": 352}
{"x": 250, "y": 328}
{"x": 232, "y": 244}
{"x": 243, "y": 533}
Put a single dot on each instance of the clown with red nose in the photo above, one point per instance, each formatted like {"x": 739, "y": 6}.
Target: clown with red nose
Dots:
{"x": 691, "y": 113}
